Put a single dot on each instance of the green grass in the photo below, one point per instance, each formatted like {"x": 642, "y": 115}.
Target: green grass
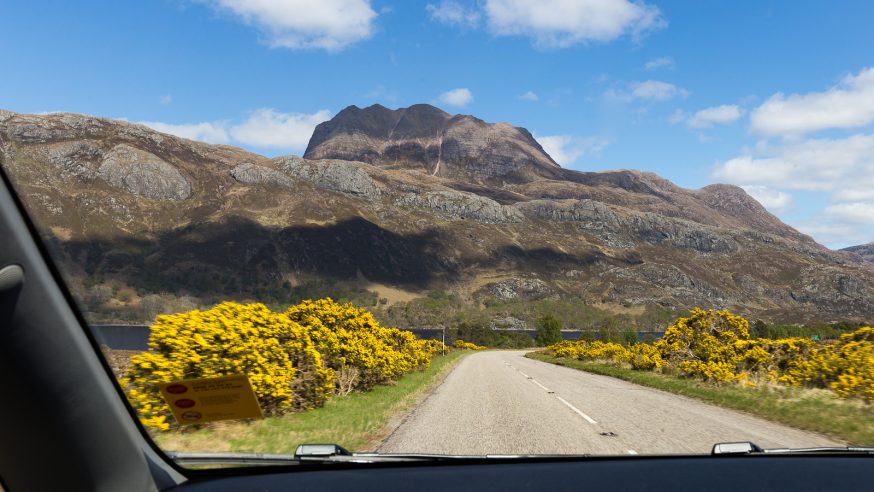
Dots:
{"x": 358, "y": 421}
{"x": 813, "y": 410}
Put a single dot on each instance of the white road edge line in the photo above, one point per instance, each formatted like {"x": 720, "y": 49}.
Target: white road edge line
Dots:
{"x": 575, "y": 409}
{"x": 542, "y": 386}
{"x": 522, "y": 373}
{"x": 631, "y": 451}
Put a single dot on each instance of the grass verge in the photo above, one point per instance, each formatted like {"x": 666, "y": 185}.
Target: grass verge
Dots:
{"x": 813, "y": 410}
{"x": 357, "y": 421}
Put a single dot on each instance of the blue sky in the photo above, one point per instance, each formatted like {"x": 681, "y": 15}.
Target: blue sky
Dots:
{"x": 774, "y": 96}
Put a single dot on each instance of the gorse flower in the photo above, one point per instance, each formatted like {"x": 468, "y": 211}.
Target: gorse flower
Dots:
{"x": 292, "y": 359}
{"x": 716, "y": 347}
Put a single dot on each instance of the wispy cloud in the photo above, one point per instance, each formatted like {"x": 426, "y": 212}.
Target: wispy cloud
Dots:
{"x": 331, "y": 25}
{"x": 657, "y": 63}
{"x": 214, "y": 132}
{"x": 263, "y": 129}
{"x": 648, "y": 90}
{"x": 774, "y": 200}
{"x": 555, "y": 23}
{"x": 452, "y": 13}
{"x": 267, "y": 128}
{"x": 708, "y": 117}
{"x": 529, "y": 96}
{"x": 566, "y": 149}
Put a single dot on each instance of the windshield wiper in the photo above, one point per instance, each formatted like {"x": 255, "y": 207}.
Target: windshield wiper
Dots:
{"x": 329, "y": 453}
{"x": 305, "y": 454}
{"x": 750, "y": 448}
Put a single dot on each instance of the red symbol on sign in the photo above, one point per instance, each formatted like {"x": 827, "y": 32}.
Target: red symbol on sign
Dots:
{"x": 184, "y": 403}
{"x": 177, "y": 389}
{"x": 191, "y": 416}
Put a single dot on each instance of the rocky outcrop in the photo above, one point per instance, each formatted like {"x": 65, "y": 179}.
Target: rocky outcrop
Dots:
{"x": 626, "y": 228}
{"x": 251, "y": 174}
{"x": 520, "y": 288}
{"x": 426, "y": 138}
{"x": 457, "y": 205}
{"x": 143, "y": 174}
{"x": 333, "y": 175}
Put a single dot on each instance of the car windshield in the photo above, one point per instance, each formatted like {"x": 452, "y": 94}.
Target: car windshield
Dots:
{"x": 459, "y": 227}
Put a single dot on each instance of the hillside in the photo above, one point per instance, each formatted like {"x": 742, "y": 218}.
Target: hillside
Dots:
{"x": 866, "y": 251}
{"x": 431, "y": 202}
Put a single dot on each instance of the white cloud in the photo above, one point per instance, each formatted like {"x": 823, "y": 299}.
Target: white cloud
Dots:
{"x": 566, "y": 149}
{"x": 771, "y": 199}
{"x": 853, "y": 212}
{"x": 267, "y": 128}
{"x": 563, "y": 23}
{"x": 303, "y": 24}
{"x": 452, "y": 13}
{"x": 717, "y": 115}
{"x": 529, "y": 96}
{"x": 165, "y": 100}
{"x": 656, "y": 63}
{"x": 653, "y": 90}
{"x": 264, "y": 128}
{"x": 214, "y": 132}
{"x": 843, "y": 166}
{"x": 457, "y": 97}
{"x": 850, "y": 104}
{"x": 841, "y": 225}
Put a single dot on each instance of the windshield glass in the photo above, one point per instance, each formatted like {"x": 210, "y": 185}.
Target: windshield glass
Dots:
{"x": 497, "y": 227}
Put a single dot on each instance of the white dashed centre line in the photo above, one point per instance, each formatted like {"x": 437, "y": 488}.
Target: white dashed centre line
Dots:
{"x": 631, "y": 451}
{"x": 577, "y": 410}
{"x": 542, "y": 386}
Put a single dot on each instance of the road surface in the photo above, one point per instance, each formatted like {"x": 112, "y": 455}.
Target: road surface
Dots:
{"x": 504, "y": 403}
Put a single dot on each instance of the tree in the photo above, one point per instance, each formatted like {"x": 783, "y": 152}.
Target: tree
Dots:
{"x": 548, "y": 331}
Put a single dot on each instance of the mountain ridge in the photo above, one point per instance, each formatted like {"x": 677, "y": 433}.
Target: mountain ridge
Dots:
{"x": 158, "y": 213}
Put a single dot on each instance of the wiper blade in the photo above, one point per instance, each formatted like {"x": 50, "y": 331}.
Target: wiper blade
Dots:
{"x": 750, "y": 448}
{"x": 305, "y": 454}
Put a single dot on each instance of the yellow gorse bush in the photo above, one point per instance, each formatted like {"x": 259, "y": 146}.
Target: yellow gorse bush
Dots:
{"x": 293, "y": 359}
{"x": 348, "y": 336}
{"x": 716, "y": 347}
{"x": 461, "y": 344}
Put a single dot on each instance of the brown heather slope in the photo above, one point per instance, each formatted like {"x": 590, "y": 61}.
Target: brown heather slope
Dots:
{"x": 498, "y": 219}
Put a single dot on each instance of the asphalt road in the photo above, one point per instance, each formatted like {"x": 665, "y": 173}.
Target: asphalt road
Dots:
{"x": 503, "y": 403}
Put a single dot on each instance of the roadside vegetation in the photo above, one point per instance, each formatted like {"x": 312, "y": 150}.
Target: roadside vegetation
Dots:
{"x": 358, "y": 421}
{"x": 296, "y": 360}
{"x": 821, "y": 385}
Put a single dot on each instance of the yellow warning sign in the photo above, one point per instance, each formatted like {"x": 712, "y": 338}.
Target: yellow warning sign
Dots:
{"x": 195, "y": 401}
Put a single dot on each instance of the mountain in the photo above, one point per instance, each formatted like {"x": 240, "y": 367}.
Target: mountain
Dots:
{"x": 866, "y": 251}
{"x": 426, "y": 138}
{"x": 151, "y": 213}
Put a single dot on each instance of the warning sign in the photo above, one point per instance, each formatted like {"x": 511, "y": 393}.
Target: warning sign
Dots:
{"x": 195, "y": 401}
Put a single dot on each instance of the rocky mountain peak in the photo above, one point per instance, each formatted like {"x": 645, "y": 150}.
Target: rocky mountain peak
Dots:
{"x": 427, "y": 138}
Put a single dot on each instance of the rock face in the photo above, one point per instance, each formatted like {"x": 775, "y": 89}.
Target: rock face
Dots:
{"x": 458, "y": 205}
{"x": 416, "y": 199}
{"x": 143, "y": 174}
{"x": 866, "y": 251}
{"x": 331, "y": 175}
{"x": 429, "y": 139}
